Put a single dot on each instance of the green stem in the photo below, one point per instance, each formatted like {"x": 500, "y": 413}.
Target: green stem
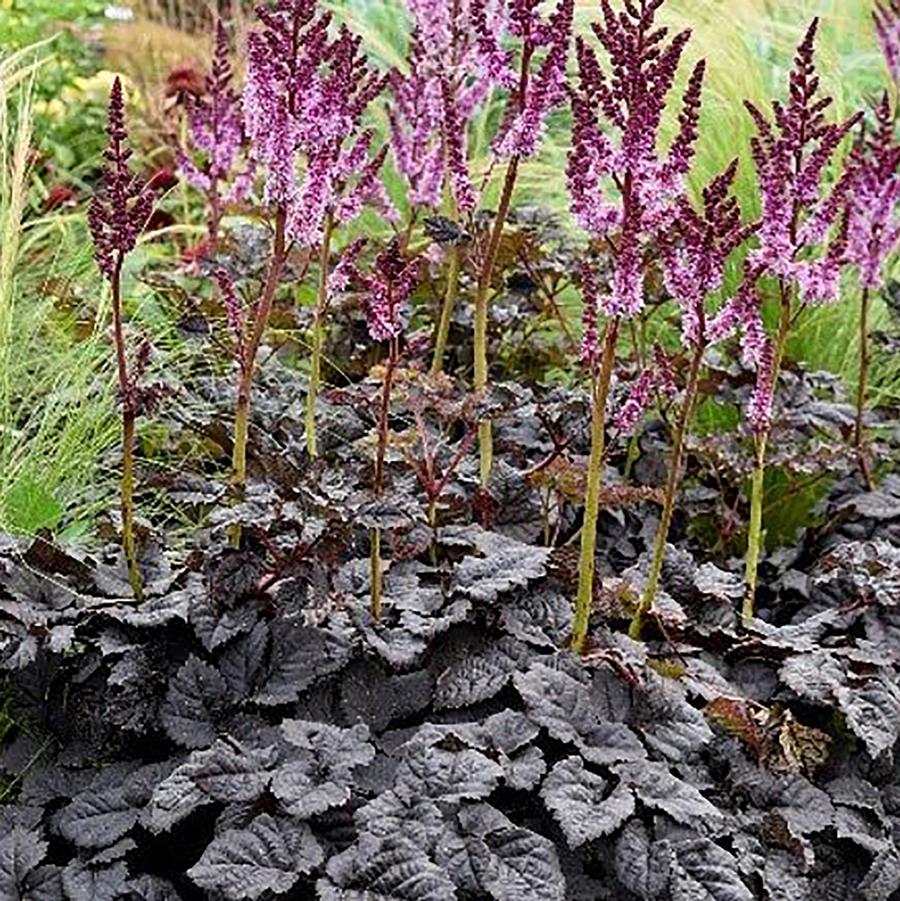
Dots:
{"x": 248, "y": 364}
{"x": 381, "y": 450}
{"x": 432, "y": 521}
{"x": 375, "y": 575}
{"x": 128, "y": 509}
{"x": 862, "y": 389}
{"x": 318, "y": 339}
{"x": 674, "y": 478}
{"x": 587, "y": 561}
{"x": 443, "y": 330}
{"x": 128, "y": 436}
{"x": 755, "y": 531}
{"x": 485, "y": 439}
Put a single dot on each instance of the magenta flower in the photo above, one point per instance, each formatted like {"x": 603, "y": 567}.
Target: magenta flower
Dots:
{"x": 120, "y": 210}
{"x": 495, "y": 63}
{"x": 695, "y": 253}
{"x": 887, "y": 28}
{"x": 526, "y": 119}
{"x": 759, "y": 411}
{"x": 387, "y": 288}
{"x": 305, "y": 96}
{"x": 590, "y": 341}
{"x": 873, "y": 199}
{"x": 216, "y": 130}
{"x": 417, "y": 136}
{"x": 742, "y": 314}
{"x": 234, "y": 309}
{"x": 215, "y": 121}
{"x": 791, "y": 158}
{"x": 655, "y": 378}
{"x": 627, "y": 185}
{"x": 454, "y": 63}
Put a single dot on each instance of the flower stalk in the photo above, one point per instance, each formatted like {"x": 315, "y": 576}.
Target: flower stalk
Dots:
{"x": 129, "y": 416}
{"x": 375, "y": 568}
{"x": 117, "y": 215}
{"x": 247, "y": 363}
{"x": 672, "y": 483}
{"x": 862, "y": 390}
{"x": 761, "y": 437}
{"x": 318, "y": 337}
{"x": 587, "y": 561}
{"x": 485, "y": 437}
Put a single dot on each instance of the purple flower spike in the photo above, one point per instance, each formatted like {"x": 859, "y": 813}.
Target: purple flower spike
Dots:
{"x": 522, "y": 135}
{"x": 791, "y": 156}
{"x": 118, "y": 213}
{"x": 306, "y": 96}
{"x": 387, "y": 288}
{"x": 887, "y": 27}
{"x": 873, "y": 199}
{"x": 216, "y": 132}
{"x": 759, "y": 411}
{"x": 695, "y": 253}
{"x": 215, "y": 120}
{"x": 622, "y": 187}
{"x": 655, "y": 378}
{"x": 590, "y": 342}
{"x": 234, "y": 310}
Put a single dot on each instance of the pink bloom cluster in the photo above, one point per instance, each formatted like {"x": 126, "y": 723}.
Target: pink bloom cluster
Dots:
{"x": 696, "y": 250}
{"x": 216, "y": 131}
{"x": 305, "y": 96}
{"x": 808, "y": 233}
{"x": 873, "y": 199}
{"x": 120, "y": 210}
{"x": 791, "y": 157}
{"x": 887, "y": 27}
{"x": 627, "y": 185}
{"x": 391, "y": 283}
{"x": 456, "y": 59}
{"x": 532, "y": 101}
{"x": 656, "y": 378}
{"x": 590, "y": 338}
{"x": 454, "y": 62}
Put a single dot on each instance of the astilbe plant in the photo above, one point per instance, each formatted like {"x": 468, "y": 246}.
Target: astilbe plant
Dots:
{"x": 887, "y": 27}
{"x": 872, "y": 184}
{"x": 694, "y": 256}
{"x": 216, "y": 139}
{"x": 386, "y": 289}
{"x": 623, "y": 192}
{"x": 803, "y": 243}
{"x": 538, "y": 89}
{"x": 116, "y": 216}
{"x": 342, "y": 177}
{"x": 304, "y": 99}
{"x": 283, "y": 58}
{"x": 453, "y": 65}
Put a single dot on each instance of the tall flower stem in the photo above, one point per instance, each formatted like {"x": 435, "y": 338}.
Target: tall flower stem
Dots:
{"x": 248, "y": 363}
{"x": 755, "y": 530}
{"x": 380, "y": 451}
{"x": 485, "y": 438}
{"x": 318, "y": 338}
{"x": 587, "y": 560}
{"x": 128, "y": 436}
{"x": 447, "y": 307}
{"x": 862, "y": 389}
{"x": 672, "y": 483}
{"x": 215, "y": 215}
